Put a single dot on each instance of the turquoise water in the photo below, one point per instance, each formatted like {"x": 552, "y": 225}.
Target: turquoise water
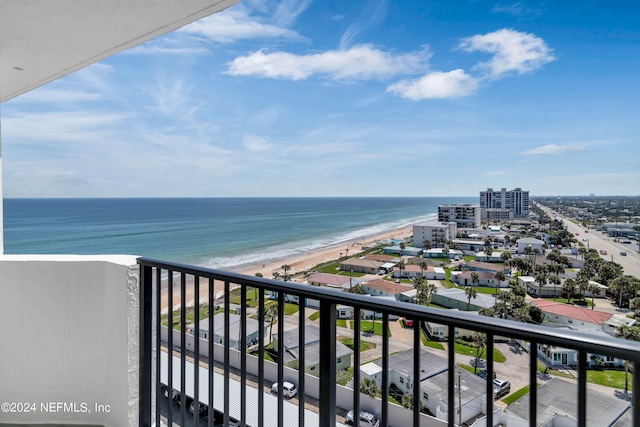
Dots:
{"x": 212, "y": 232}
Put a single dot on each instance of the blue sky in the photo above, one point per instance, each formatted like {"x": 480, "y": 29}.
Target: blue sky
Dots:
{"x": 345, "y": 98}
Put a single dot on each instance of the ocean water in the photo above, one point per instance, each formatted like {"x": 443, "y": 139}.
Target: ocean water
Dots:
{"x": 211, "y": 232}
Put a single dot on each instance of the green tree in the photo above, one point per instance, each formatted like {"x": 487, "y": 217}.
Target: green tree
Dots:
{"x": 593, "y": 289}
{"x": 500, "y": 277}
{"x": 270, "y": 316}
{"x": 470, "y": 292}
{"x": 285, "y": 269}
{"x": 569, "y": 288}
{"x": 357, "y": 289}
{"x": 628, "y": 333}
{"x": 479, "y": 342}
{"x": 369, "y": 386}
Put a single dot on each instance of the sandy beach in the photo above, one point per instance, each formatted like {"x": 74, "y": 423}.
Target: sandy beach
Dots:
{"x": 299, "y": 263}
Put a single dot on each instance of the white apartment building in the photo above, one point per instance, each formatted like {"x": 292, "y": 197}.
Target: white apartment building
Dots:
{"x": 464, "y": 215}
{"x": 503, "y": 204}
{"x": 434, "y": 231}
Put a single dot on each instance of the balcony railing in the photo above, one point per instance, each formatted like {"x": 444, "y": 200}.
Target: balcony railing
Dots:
{"x": 173, "y": 364}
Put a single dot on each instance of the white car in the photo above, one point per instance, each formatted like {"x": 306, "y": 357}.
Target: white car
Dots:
{"x": 288, "y": 389}
{"x": 366, "y": 419}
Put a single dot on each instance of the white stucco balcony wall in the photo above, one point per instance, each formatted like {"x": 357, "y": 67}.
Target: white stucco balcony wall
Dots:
{"x": 69, "y": 338}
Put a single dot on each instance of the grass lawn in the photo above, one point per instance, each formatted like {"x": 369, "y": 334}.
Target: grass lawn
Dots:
{"x": 315, "y": 316}
{"x": 190, "y": 315}
{"x": 364, "y": 345}
{"x": 341, "y": 322}
{"x": 542, "y": 368}
{"x": 367, "y": 325}
{"x": 484, "y": 290}
{"x": 470, "y": 351}
{"x": 517, "y": 395}
{"x": 333, "y": 268}
{"x": 576, "y": 301}
{"x": 289, "y": 308}
{"x": 467, "y": 367}
{"x": 428, "y": 343}
{"x": 608, "y": 377}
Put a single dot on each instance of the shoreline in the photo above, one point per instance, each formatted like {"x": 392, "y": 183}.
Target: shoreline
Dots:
{"x": 298, "y": 262}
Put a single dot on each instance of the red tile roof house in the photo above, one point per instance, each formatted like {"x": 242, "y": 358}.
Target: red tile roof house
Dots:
{"x": 412, "y": 270}
{"x": 568, "y": 314}
{"x": 379, "y": 287}
{"x": 585, "y": 319}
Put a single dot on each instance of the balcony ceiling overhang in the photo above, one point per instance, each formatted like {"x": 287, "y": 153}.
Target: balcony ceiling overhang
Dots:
{"x": 43, "y": 40}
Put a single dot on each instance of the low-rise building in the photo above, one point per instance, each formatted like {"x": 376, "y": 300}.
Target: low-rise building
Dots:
{"x": 440, "y": 253}
{"x": 291, "y": 347}
{"x": 359, "y": 265}
{"x": 456, "y": 298}
{"x": 411, "y": 271}
{"x": 484, "y": 278}
{"x": 333, "y": 280}
{"x": 406, "y": 251}
{"x": 530, "y": 242}
{"x": 488, "y": 267}
{"x": 252, "y": 328}
{"x": 435, "y": 232}
{"x": 380, "y": 287}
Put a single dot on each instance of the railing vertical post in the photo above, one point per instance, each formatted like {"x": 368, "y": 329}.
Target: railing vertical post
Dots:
{"x": 533, "y": 383}
{"x": 385, "y": 368}
{"x": 327, "y": 407}
{"x": 302, "y": 339}
{"x": 582, "y": 388}
{"x": 356, "y": 360}
{"x": 635, "y": 397}
{"x": 489, "y": 378}
{"x": 261, "y": 317}
{"x": 145, "y": 353}
{"x": 451, "y": 401}
{"x": 417, "y": 352}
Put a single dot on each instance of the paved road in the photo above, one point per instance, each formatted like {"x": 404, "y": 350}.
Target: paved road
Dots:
{"x": 599, "y": 241}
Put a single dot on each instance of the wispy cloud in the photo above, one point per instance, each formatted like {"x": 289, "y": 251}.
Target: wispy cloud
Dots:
{"x": 287, "y": 11}
{"x": 236, "y": 24}
{"x": 169, "y": 46}
{"x": 256, "y": 144}
{"x": 512, "y": 51}
{"x": 497, "y": 173}
{"x": 517, "y": 9}
{"x": 552, "y": 149}
{"x": 374, "y": 12}
{"x": 452, "y": 84}
{"x": 359, "y": 62}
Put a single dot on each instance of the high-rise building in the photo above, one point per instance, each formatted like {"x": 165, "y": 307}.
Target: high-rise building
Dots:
{"x": 464, "y": 215}
{"x": 504, "y": 204}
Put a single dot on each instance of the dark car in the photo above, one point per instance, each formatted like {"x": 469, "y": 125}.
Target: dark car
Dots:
{"x": 483, "y": 374}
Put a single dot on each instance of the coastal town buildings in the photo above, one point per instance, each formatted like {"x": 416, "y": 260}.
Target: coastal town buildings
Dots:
{"x": 435, "y": 232}
{"x": 464, "y": 215}
{"x": 504, "y": 205}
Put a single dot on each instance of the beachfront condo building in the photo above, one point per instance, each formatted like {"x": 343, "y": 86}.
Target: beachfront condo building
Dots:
{"x": 504, "y": 205}
{"x": 465, "y": 215}
{"x": 435, "y": 232}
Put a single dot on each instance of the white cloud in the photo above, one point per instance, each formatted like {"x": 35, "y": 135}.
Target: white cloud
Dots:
{"x": 359, "y": 62}
{"x": 373, "y": 13}
{"x": 162, "y": 46}
{"x": 552, "y": 149}
{"x": 236, "y": 24}
{"x": 288, "y": 11}
{"x": 516, "y": 9}
{"x": 497, "y": 173}
{"x": 452, "y": 84}
{"x": 337, "y": 17}
{"x": 513, "y": 51}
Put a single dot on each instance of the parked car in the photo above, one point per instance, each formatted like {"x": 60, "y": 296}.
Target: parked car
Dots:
{"x": 366, "y": 419}
{"x": 483, "y": 374}
{"x": 408, "y": 323}
{"x": 603, "y": 252}
{"x": 501, "y": 387}
{"x": 288, "y": 389}
{"x": 623, "y": 253}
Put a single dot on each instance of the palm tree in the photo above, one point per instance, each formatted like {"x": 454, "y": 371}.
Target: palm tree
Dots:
{"x": 628, "y": 333}
{"x": 500, "y": 277}
{"x": 569, "y": 288}
{"x": 270, "y": 315}
{"x": 555, "y": 280}
{"x": 369, "y": 386}
{"x": 286, "y": 269}
{"x": 470, "y": 292}
{"x": 480, "y": 342}
{"x": 427, "y": 244}
{"x": 276, "y": 275}
{"x": 423, "y": 266}
{"x": 475, "y": 277}
{"x": 505, "y": 256}
{"x": 488, "y": 252}
{"x": 401, "y": 267}
{"x": 593, "y": 289}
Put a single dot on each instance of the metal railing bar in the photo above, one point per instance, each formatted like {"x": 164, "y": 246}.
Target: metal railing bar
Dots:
{"x": 578, "y": 340}
{"x": 211, "y": 371}
{"x": 385, "y": 368}
{"x": 261, "y": 311}
{"x": 489, "y": 379}
{"x": 582, "y": 389}
{"x": 183, "y": 345}
{"x": 327, "y": 405}
{"x": 170, "y": 346}
{"x": 635, "y": 397}
{"x": 196, "y": 349}
{"x": 451, "y": 342}
{"x": 145, "y": 355}
{"x": 302, "y": 339}
{"x": 158, "y": 345}
{"x": 243, "y": 354}
{"x": 281, "y": 358}
{"x": 356, "y": 359}
{"x": 417, "y": 372}
{"x": 533, "y": 383}
{"x": 227, "y": 404}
